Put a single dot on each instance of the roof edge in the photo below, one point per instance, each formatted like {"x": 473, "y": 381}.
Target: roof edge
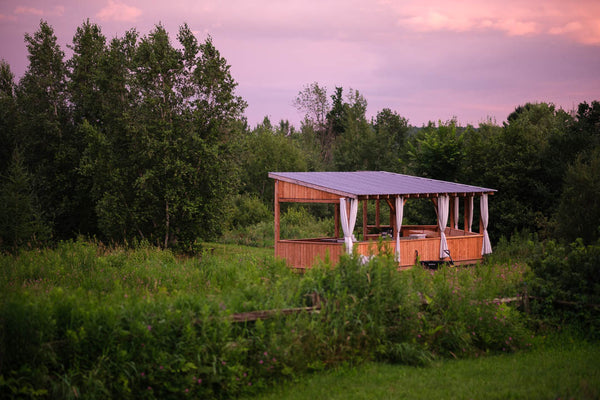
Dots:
{"x": 274, "y": 175}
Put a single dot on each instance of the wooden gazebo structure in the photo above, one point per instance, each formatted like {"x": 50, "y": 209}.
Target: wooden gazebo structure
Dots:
{"x": 438, "y": 242}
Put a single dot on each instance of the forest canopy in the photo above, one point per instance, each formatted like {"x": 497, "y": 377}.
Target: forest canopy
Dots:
{"x": 143, "y": 138}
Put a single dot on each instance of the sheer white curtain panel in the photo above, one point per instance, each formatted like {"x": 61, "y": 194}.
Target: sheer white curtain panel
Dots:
{"x": 443, "y": 205}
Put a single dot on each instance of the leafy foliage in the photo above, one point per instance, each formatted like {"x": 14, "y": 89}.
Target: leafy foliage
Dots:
{"x": 86, "y": 321}
{"x": 578, "y": 213}
{"x": 264, "y": 151}
{"x": 437, "y": 152}
{"x": 567, "y": 282}
{"x": 21, "y": 220}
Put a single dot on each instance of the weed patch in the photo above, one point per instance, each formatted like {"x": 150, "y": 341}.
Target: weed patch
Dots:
{"x": 86, "y": 321}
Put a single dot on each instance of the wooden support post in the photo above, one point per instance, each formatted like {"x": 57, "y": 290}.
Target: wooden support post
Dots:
{"x": 377, "y": 214}
{"x": 337, "y": 220}
{"x": 451, "y": 211}
{"x": 392, "y": 216}
{"x": 277, "y": 215}
{"x": 480, "y": 225}
{"x": 434, "y": 200}
{"x": 365, "y": 230}
{"x": 466, "y": 214}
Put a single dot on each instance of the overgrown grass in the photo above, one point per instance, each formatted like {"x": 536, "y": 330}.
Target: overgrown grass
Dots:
{"x": 559, "y": 368}
{"x": 84, "y": 320}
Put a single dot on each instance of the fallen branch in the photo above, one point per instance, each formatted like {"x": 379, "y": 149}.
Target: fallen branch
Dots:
{"x": 266, "y": 314}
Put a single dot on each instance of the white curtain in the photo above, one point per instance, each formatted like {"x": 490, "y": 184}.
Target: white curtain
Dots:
{"x": 348, "y": 221}
{"x": 443, "y": 205}
{"x": 455, "y": 213}
{"x": 399, "y": 215}
{"x": 486, "y": 248}
{"x": 470, "y": 211}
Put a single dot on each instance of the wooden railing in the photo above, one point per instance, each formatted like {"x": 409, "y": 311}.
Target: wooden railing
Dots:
{"x": 464, "y": 247}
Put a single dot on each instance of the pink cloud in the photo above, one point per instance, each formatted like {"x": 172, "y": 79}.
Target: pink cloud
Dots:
{"x": 4, "y": 17}
{"x": 55, "y": 11}
{"x": 578, "y": 21}
{"x": 28, "y": 10}
{"x": 118, "y": 11}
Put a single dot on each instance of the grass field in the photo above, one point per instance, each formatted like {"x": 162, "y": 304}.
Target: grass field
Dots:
{"x": 561, "y": 368}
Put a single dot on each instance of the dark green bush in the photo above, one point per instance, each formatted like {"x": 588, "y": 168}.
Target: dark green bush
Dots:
{"x": 82, "y": 321}
{"x": 566, "y": 281}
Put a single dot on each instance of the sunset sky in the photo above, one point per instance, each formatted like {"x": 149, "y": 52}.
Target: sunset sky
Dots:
{"x": 426, "y": 60}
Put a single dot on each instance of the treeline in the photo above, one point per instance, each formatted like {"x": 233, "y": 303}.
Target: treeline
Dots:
{"x": 138, "y": 139}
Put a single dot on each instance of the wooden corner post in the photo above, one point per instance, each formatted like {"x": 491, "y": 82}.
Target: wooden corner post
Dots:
{"x": 276, "y": 216}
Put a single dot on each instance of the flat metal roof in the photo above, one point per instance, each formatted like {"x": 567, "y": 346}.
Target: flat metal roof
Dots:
{"x": 375, "y": 183}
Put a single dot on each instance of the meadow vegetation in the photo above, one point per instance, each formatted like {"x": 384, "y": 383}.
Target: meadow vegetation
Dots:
{"x": 85, "y": 320}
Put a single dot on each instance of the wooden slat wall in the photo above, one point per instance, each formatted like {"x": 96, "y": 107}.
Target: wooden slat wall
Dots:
{"x": 465, "y": 248}
{"x": 303, "y": 254}
{"x": 292, "y": 192}
{"x": 462, "y": 249}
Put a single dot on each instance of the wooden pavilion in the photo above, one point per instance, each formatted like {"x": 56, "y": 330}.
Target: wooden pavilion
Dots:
{"x": 410, "y": 244}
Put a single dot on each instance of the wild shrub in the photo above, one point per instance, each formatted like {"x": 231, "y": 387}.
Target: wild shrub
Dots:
{"x": 459, "y": 315}
{"x": 296, "y": 222}
{"x": 566, "y": 281}
{"x": 86, "y": 321}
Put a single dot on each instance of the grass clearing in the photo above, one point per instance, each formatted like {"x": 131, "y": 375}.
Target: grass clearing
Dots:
{"x": 561, "y": 368}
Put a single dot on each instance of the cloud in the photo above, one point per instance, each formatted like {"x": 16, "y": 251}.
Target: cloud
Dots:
{"x": 586, "y": 33}
{"x": 28, "y": 10}
{"x": 578, "y": 21}
{"x": 4, "y": 17}
{"x": 118, "y": 11}
{"x": 56, "y": 11}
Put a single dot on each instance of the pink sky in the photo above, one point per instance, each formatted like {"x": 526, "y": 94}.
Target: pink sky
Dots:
{"x": 426, "y": 60}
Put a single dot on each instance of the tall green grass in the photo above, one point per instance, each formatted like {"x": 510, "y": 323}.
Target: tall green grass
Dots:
{"x": 83, "y": 320}
{"x": 561, "y": 368}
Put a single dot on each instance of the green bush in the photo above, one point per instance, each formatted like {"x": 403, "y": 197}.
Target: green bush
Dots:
{"x": 249, "y": 210}
{"x": 296, "y": 223}
{"x": 567, "y": 283}
{"x": 86, "y": 321}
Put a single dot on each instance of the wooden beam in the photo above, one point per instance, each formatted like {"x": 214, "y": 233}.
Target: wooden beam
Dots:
{"x": 451, "y": 210}
{"x": 480, "y": 225}
{"x": 392, "y": 206}
{"x": 337, "y": 220}
{"x": 392, "y": 215}
{"x": 377, "y": 213}
{"x": 297, "y": 200}
{"x": 277, "y": 215}
{"x": 365, "y": 230}
{"x": 466, "y": 214}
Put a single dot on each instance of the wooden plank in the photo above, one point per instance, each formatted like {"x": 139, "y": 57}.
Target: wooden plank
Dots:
{"x": 293, "y": 192}
{"x": 277, "y": 215}
{"x": 266, "y": 314}
{"x": 464, "y": 248}
{"x": 451, "y": 210}
{"x": 337, "y": 220}
{"x": 466, "y": 213}
{"x": 295, "y": 185}
{"x": 305, "y": 253}
{"x": 365, "y": 227}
